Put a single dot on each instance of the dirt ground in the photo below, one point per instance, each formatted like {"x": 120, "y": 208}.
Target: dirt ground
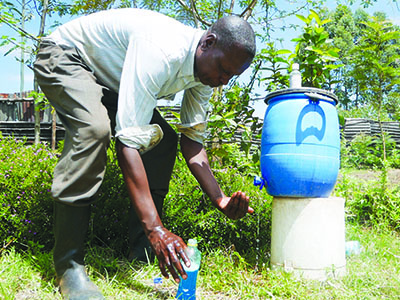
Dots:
{"x": 366, "y": 175}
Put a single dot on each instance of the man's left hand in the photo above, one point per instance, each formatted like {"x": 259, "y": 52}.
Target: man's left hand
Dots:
{"x": 236, "y": 206}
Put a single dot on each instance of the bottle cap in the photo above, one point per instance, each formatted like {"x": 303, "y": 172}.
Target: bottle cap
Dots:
{"x": 192, "y": 242}
{"x": 295, "y": 66}
{"x": 157, "y": 280}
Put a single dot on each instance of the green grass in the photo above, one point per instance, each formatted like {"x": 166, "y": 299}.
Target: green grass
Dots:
{"x": 374, "y": 274}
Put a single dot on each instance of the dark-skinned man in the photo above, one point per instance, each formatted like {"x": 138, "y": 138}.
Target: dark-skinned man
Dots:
{"x": 104, "y": 73}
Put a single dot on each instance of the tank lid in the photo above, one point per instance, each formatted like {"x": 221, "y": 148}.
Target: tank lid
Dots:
{"x": 308, "y": 91}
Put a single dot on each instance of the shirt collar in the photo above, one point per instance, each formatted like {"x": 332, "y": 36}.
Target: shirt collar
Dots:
{"x": 187, "y": 69}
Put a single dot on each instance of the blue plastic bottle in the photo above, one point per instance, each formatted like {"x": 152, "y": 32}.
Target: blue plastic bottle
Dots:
{"x": 187, "y": 288}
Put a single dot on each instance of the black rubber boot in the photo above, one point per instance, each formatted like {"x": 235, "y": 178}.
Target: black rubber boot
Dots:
{"x": 70, "y": 228}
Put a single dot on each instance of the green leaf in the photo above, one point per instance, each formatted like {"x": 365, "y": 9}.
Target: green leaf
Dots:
{"x": 214, "y": 118}
{"x": 304, "y": 19}
{"x": 313, "y": 14}
{"x": 283, "y": 51}
{"x": 231, "y": 122}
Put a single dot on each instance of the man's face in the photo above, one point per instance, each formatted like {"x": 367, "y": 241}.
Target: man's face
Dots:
{"x": 215, "y": 67}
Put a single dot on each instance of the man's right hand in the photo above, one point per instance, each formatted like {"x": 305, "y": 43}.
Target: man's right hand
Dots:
{"x": 169, "y": 248}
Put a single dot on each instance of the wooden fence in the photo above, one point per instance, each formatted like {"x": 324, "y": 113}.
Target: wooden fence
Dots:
{"x": 356, "y": 126}
{"x": 16, "y": 107}
{"x": 17, "y": 119}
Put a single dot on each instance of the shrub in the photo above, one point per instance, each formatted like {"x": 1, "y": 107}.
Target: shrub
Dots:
{"x": 190, "y": 214}
{"x": 187, "y": 211}
{"x": 247, "y": 164}
{"x": 109, "y": 221}
{"x": 26, "y": 207}
{"x": 366, "y": 152}
{"x": 371, "y": 203}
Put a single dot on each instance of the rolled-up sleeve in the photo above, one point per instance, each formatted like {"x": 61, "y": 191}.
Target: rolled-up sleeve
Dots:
{"x": 144, "y": 71}
{"x": 194, "y": 113}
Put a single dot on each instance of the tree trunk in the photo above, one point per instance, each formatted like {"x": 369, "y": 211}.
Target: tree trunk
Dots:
{"x": 53, "y": 129}
{"x": 22, "y": 65}
{"x": 36, "y": 87}
{"x": 381, "y": 128}
{"x": 37, "y": 125}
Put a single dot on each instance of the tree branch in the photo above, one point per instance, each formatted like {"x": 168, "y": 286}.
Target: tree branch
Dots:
{"x": 196, "y": 20}
{"x": 289, "y": 13}
{"x": 219, "y": 9}
{"x": 253, "y": 78}
{"x": 17, "y": 29}
{"x": 231, "y": 7}
{"x": 195, "y": 12}
{"x": 248, "y": 11}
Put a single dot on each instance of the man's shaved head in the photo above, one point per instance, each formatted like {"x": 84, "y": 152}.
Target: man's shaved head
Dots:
{"x": 233, "y": 31}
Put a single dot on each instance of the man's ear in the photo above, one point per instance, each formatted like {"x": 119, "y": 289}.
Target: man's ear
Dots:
{"x": 209, "y": 41}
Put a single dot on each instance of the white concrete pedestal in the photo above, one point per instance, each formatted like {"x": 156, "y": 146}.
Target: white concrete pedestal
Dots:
{"x": 308, "y": 237}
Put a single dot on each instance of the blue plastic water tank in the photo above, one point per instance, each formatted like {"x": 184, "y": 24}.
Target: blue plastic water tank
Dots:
{"x": 300, "y": 146}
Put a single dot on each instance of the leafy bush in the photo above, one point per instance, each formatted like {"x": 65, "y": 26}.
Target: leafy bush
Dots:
{"x": 371, "y": 203}
{"x": 109, "y": 222}
{"x": 232, "y": 126}
{"x": 190, "y": 214}
{"x": 187, "y": 211}
{"x": 26, "y": 207}
{"x": 366, "y": 152}
{"x": 233, "y": 156}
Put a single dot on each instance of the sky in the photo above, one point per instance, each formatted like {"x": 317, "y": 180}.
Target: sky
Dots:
{"x": 10, "y": 68}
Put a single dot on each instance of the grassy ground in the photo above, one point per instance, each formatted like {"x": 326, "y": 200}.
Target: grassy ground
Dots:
{"x": 374, "y": 274}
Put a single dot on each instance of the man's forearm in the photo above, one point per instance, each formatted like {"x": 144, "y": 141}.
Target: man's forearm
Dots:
{"x": 197, "y": 161}
{"x": 138, "y": 188}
